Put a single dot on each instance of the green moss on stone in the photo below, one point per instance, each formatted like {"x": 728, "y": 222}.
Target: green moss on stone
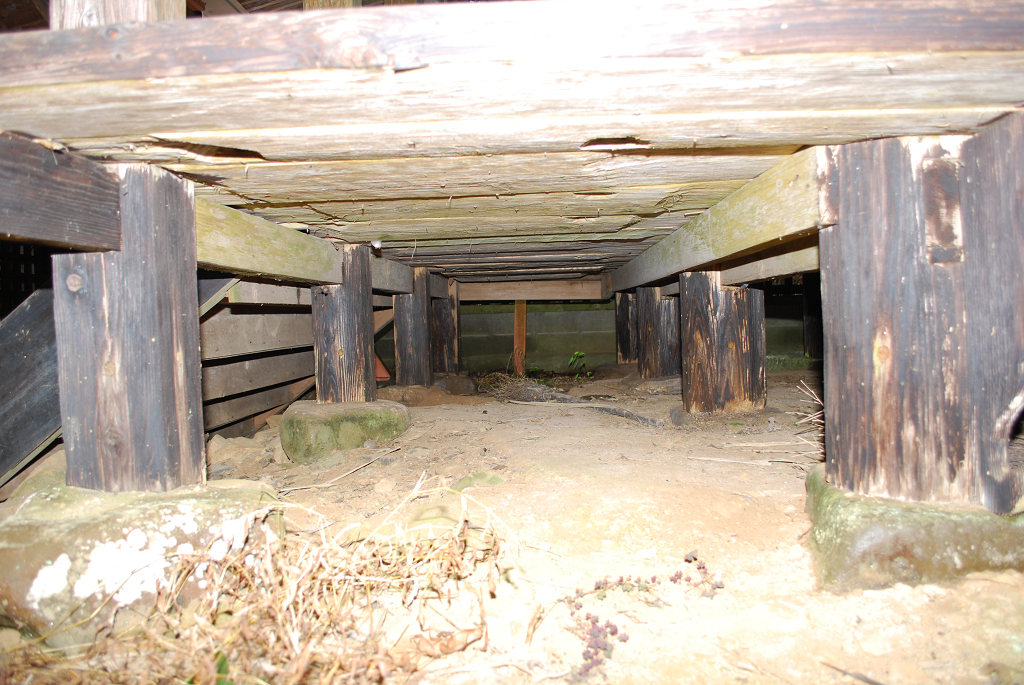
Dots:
{"x": 311, "y": 431}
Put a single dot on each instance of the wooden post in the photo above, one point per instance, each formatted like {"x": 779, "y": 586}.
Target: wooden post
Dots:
{"x": 445, "y": 328}
{"x": 723, "y": 343}
{"x": 625, "y": 328}
{"x": 657, "y": 333}
{"x": 75, "y": 14}
{"x": 412, "y": 333}
{"x": 922, "y": 280}
{"x": 127, "y": 329}
{"x": 343, "y": 332}
{"x": 813, "y": 340}
{"x": 519, "y": 339}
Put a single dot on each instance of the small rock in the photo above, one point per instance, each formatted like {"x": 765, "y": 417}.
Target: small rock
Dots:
{"x": 217, "y": 443}
{"x": 312, "y": 431}
{"x": 248, "y": 443}
{"x": 456, "y": 384}
{"x": 9, "y": 639}
{"x": 274, "y": 421}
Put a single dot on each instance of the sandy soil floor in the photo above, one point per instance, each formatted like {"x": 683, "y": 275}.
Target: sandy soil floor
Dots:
{"x": 585, "y": 498}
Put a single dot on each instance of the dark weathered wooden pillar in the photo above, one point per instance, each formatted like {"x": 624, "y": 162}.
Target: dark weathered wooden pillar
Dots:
{"x": 625, "y": 328}
{"x": 127, "y": 329}
{"x": 922, "y": 284}
{"x": 343, "y": 332}
{"x": 723, "y": 343}
{"x": 445, "y": 329}
{"x": 813, "y": 335}
{"x": 657, "y": 333}
{"x": 412, "y": 333}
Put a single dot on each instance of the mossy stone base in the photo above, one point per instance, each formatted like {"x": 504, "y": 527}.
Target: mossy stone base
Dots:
{"x": 311, "y": 431}
{"x": 869, "y": 542}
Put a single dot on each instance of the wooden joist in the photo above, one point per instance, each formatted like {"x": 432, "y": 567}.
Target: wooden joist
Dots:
{"x": 533, "y": 291}
{"x": 789, "y": 201}
{"x": 48, "y": 196}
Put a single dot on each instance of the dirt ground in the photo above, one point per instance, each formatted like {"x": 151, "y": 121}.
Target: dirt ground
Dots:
{"x": 704, "y": 524}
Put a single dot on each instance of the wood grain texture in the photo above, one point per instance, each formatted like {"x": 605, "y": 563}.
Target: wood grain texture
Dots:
{"x": 389, "y": 276}
{"x": 74, "y": 14}
{"x": 56, "y": 198}
{"x": 534, "y": 291}
{"x": 239, "y": 243}
{"x": 657, "y": 322}
{"x": 923, "y": 361}
{"x": 247, "y": 375}
{"x": 412, "y": 333}
{"x": 128, "y": 346}
{"x": 228, "y": 333}
{"x": 699, "y": 302}
{"x": 29, "y": 403}
{"x": 436, "y": 34}
{"x": 445, "y": 331}
{"x": 217, "y": 414}
{"x": 782, "y": 204}
{"x": 787, "y": 264}
{"x": 625, "y": 328}
{"x": 248, "y": 292}
{"x": 519, "y": 338}
{"x": 343, "y": 333}
{"x": 213, "y": 288}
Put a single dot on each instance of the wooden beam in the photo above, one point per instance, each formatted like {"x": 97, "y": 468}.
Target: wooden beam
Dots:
{"x": 412, "y": 333}
{"x": 53, "y": 197}
{"x": 519, "y": 339}
{"x": 381, "y": 319}
{"x": 378, "y": 38}
{"x": 212, "y": 289}
{"x": 438, "y": 286}
{"x": 787, "y": 202}
{"x": 789, "y": 264}
{"x": 247, "y": 292}
{"x": 239, "y": 243}
{"x": 127, "y": 329}
{"x": 445, "y": 331}
{"x": 218, "y": 414}
{"x": 389, "y": 276}
{"x": 74, "y": 14}
{"x": 343, "y": 333}
{"x": 224, "y": 380}
{"x": 537, "y": 291}
{"x": 229, "y": 334}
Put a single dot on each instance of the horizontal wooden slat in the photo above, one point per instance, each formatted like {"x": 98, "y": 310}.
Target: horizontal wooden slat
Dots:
{"x": 796, "y": 262}
{"x": 532, "y": 290}
{"x": 226, "y": 334}
{"x": 407, "y": 37}
{"x": 252, "y": 374}
{"x": 222, "y": 413}
{"x": 389, "y": 276}
{"x": 235, "y": 242}
{"x": 49, "y": 196}
{"x": 381, "y": 319}
{"x": 779, "y": 205}
{"x": 247, "y": 292}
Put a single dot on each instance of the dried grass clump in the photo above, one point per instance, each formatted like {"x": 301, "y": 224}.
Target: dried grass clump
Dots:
{"x": 813, "y": 423}
{"x": 496, "y": 380}
{"x": 295, "y": 610}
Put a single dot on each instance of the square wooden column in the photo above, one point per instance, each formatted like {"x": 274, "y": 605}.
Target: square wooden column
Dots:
{"x": 922, "y": 285}
{"x": 412, "y": 333}
{"x": 127, "y": 327}
{"x": 343, "y": 332}
{"x": 625, "y": 328}
{"x": 445, "y": 331}
{"x": 74, "y": 14}
{"x": 723, "y": 343}
{"x": 657, "y": 333}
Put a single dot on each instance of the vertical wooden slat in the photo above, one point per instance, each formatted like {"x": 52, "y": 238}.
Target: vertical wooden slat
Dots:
{"x": 625, "y": 328}
{"x": 412, "y": 333}
{"x": 343, "y": 332}
{"x": 444, "y": 331}
{"x": 519, "y": 338}
{"x": 127, "y": 327}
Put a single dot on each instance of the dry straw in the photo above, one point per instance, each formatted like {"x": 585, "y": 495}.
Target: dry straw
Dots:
{"x": 294, "y": 610}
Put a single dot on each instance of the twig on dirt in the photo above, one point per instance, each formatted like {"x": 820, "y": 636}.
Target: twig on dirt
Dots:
{"x": 335, "y": 480}
{"x": 606, "y": 408}
{"x": 859, "y": 676}
{"x": 733, "y": 461}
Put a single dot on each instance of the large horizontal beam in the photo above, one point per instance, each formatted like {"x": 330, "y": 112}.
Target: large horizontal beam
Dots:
{"x": 786, "y": 202}
{"x": 238, "y": 243}
{"x": 48, "y": 196}
{"x": 493, "y": 32}
{"x": 533, "y": 291}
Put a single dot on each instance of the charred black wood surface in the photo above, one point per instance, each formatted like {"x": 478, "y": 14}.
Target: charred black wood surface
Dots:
{"x": 412, "y": 333}
{"x": 444, "y": 335}
{"x": 343, "y": 332}
{"x": 625, "y": 328}
{"x": 657, "y": 333}
{"x": 127, "y": 330}
{"x": 922, "y": 284}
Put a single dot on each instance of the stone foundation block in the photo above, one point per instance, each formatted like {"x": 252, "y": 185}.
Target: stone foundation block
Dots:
{"x": 869, "y": 542}
{"x": 311, "y": 431}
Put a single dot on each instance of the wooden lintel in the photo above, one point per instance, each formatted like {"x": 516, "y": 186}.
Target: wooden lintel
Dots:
{"x": 238, "y": 377}
{"x": 534, "y": 291}
{"x": 389, "y": 276}
{"x": 247, "y": 292}
{"x": 226, "y": 334}
{"x": 778, "y": 266}
{"x": 57, "y": 198}
{"x": 238, "y": 243}
{"x": 438, "y": 286}
{"x": 789, "y": 201}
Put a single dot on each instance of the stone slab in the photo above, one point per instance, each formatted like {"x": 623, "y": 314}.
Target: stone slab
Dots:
{"x": 870, "y": 542}
{"x": 311, "y": 431}
{"x": 456, "y": 384}
{"x": 65, "y": 550}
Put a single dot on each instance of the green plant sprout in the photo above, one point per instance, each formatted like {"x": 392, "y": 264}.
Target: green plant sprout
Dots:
{"x": 578, "y": 364}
